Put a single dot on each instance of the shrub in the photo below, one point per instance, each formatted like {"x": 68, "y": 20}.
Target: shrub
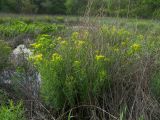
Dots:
{"x": 4, "y": 54}
{"x": 77, "y": 68}
{"x": 12, "y": 112}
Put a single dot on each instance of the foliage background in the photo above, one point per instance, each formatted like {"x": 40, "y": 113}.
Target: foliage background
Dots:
{"x": 123, "y": 8}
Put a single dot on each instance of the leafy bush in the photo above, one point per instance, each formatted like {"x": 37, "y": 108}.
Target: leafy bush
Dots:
{"x": 77, "y": 68}
{"x": 12, "y": 112}
{"x": 5, "y": 51}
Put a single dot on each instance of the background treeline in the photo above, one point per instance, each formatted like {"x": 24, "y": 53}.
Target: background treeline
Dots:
{"x": 124, "y": 8}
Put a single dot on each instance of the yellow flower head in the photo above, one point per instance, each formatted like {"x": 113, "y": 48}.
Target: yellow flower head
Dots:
{"x": 56, "y": 57}
{"x": 136, "y": 47}
{"x": 100, "y": 57}
{"x": 37, "y": 58}
{"x": 35, "y": 45}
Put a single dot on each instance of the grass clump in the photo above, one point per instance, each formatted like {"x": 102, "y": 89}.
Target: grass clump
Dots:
{"x": 12, "y": 112}
{"x": 5, "y": 51}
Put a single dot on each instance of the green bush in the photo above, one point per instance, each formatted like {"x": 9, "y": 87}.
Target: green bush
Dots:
{"x": 12, "y": 112}
{"x": 77, "y": 69}
{"x": 5, "y": 51}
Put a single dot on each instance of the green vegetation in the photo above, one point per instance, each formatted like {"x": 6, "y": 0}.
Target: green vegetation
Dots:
{"x": 17, "y": 28}
{"x": 12, "y": 112}
{"x": 76, "y": 68}
{"x": 123, "y": 8}
{"x": 80, "y": 67}
{"x": 5, "y": 51}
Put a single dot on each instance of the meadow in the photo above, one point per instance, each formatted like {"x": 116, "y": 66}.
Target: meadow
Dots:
{"x": 89, "y": 68}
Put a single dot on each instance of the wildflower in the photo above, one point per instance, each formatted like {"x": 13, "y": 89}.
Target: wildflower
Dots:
{"x": 56, "y": 57}
{"x": 80, "y": 43}
{"x": 64, "y": 43}
{"x": 75, "y": 35}
{"x": 136, "y": 47}
{"x": 116, "y": 49}
{"x": 35, "y": 45}
{"x": 37, "y": 58}
{"x": 59, "y": 38}
{"x": 100, "y": 57}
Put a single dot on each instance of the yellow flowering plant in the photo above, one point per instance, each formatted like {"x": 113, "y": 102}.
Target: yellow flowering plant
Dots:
{"x": 80, "y": 66}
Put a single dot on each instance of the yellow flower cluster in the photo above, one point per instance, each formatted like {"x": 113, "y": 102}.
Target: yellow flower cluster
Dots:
{"x": 37, "y": 58}
{"x": 79, "y": 43}
{"x": 75, "y": 35}
{"x": 56, "y": 57}
{"x": 136, "y": 47}
{"x": 35, "y": 45}
{"x": 100, "y": 57}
